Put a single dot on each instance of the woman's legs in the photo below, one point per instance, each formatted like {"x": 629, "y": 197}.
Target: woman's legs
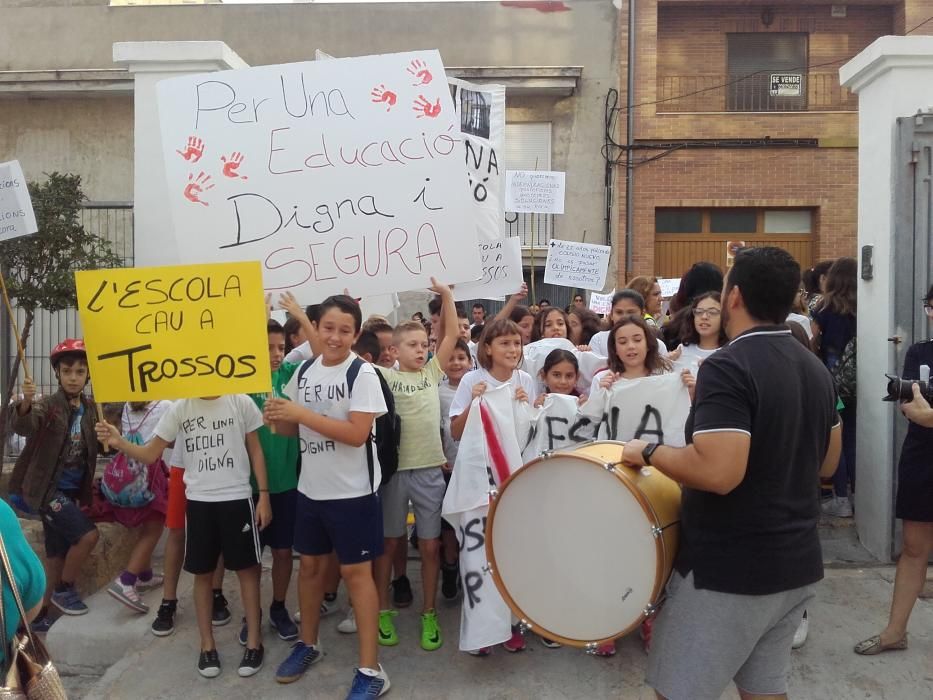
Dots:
{"x": 910, "y": 577}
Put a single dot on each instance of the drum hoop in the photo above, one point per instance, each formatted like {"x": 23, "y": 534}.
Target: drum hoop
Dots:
{"x": 647, "y": 508}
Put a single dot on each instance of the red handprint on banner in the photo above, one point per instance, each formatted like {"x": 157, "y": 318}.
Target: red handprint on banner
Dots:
{"x": 197, "y": 185}
{"x": 425, "y": 108}
{"x": 193, "y": 151}
{"x": 419, "y": 69}
{"x": 231, "y": 165}
{"x": 380, "y": 94}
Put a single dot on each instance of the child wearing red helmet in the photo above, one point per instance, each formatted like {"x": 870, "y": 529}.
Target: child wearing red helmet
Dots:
{"x": 54, "y": 473}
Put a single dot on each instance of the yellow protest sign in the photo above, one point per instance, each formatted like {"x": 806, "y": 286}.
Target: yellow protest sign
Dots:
{"x": 175, "y": 332}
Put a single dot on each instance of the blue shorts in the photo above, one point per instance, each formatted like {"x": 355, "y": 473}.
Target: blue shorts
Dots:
{"x": 64, "y": 524}
{"x": 280, "y": 533}
{"x": 350, "y": 526}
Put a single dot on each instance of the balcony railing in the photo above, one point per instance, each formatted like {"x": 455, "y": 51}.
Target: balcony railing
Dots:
{"x": 760, "y": 92}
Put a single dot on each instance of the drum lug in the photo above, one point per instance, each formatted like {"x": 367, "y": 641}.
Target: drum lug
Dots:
{"x": 487, "y": 569}
{"x": 547, "y": 454}
{"x": 657, "y": 531}
{"x": 649, "y": 610}
{"x": 493, "y": 494}
{"x": 609, "y": 467}
{"x": 524, "y": 626}
{"x": 590, "y": 648}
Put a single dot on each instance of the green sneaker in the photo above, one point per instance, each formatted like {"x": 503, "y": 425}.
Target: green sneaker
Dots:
{"x": 388, "y": 637}
{"x": 430, "y": 631}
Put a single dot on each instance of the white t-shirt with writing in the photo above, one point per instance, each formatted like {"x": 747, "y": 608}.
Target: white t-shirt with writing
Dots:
{"x": 210, "y": 444}
{"x": 332, "y": 470}
{"x": 464, "y": 396}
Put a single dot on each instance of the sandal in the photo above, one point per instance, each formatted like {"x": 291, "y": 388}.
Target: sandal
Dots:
{"x": 873, "y": 645}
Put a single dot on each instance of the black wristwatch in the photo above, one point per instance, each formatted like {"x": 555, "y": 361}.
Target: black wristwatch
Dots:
{"x": 647, "y": 452}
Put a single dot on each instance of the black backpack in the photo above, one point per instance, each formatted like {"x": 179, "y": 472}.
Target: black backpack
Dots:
{"x": 388, "y": 427}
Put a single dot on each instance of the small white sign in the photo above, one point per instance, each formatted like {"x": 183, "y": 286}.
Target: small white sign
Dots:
{"x": 601, "y": 303}
{"x": 785, "y": 85}
{"x": 572, "y": 264}
{"x": 669, "y": 287}
{"x": 502, "y": 271}
{"x": 16, "y": 215}
{"x": 534, "y": 192}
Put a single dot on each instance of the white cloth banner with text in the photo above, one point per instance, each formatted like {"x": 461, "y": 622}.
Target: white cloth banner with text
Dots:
{"x": 336, "y": 174}
{"x": 485, "y": 617}
{"x": 652, "y": 408}
{"x": 481, "y": 110}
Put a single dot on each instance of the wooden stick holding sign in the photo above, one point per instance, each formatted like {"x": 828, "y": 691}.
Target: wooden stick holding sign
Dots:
{"x": 100, "y": 419}
{"x": 16, "y": 335}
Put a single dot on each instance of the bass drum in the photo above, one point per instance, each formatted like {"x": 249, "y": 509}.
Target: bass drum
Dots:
{"x": 580, "y": 546}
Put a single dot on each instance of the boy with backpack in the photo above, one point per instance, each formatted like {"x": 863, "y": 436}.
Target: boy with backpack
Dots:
{"x": 420, "y": 477}
{"x": 335, "y": 401}
{"x": 216, "y": 441}
{"x": 54, "y": 472}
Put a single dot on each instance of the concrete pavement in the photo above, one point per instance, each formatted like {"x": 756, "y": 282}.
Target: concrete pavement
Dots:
{"x": 851, "y": 604}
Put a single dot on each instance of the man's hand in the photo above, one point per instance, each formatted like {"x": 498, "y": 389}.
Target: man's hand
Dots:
{"x": 918, "y": 410}
{"x": 631, "y": 453}
{"x": 263, "y": 511}
{"x": 283, "y": 410}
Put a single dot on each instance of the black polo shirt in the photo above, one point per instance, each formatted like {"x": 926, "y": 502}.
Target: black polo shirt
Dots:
{"x": 761, "y": 537}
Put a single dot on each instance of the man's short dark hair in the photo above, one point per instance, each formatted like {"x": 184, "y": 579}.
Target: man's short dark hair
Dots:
{"x": 768, "y": 278}
{"x": 368, "y": 344}
{"x": 477, "y": 305}
{"x": 344, "y": 304}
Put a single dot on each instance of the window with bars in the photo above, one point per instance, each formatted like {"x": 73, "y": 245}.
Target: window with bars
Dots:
{"x": 729, "y": 221}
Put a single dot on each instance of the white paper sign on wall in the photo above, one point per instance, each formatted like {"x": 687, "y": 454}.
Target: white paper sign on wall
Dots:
{"x": 333, "y": 174}
{"x": 534, "y": 191}
{"x": 502, "y": 271}
{"x": 16, "y": 215}
{"x": 572, "y": 264}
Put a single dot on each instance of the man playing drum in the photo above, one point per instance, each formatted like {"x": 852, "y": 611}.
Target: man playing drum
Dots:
{"x": 762, "y": 430}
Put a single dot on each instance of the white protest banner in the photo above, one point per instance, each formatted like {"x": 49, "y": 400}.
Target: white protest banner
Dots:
{"x": 601, "y": 303}
{"x": 489, "y": 452}
{"x": 502, "y": 271}
{"x": 550, "y": 427}
{"x": 669, "y": 287}
{"x": 656, "y": 407}
{"x": 16, "y": 215}
{"x": 333, "y": 174}
{"x": 534, "y": 191}
{"x": 481, "y": 110}
{"x": 573, "y": 264}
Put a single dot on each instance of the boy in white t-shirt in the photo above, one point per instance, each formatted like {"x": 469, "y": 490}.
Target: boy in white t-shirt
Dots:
{"x": 335, "y": 400}
{"x": 216, "y": 440}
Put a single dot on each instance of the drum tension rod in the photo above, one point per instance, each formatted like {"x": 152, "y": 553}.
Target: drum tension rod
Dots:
{"x": 657, "y": 531}
{"x": 524, "y": 625}
{"x": 590, "y": 648}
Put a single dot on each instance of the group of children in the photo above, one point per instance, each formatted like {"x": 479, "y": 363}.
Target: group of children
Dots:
{"x": 301, "y": 469}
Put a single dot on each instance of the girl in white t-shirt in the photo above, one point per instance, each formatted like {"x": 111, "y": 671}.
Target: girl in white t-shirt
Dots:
{"x": 705, "y": 335}
{"x": 499, "y": 354}
{"x": 632, "y": 354}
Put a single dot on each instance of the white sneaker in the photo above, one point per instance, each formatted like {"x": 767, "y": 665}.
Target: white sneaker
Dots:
{"x": 837, "y": 507}
{"x": 803, "y": 629}
{"x": 328, "y": 607}
{"x": 127, "y": 595}
{"x": 348, "y": 625}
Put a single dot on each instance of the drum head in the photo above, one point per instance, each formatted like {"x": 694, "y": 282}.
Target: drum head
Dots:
{"x": 572, "y": 550}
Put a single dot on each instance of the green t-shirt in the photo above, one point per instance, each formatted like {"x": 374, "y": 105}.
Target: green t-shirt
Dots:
{"x": 27, "y": 570}
{"x": 418, "y": 405}
{"x": 281, "y": 452}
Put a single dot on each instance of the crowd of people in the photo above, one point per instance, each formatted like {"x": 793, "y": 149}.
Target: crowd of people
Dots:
{"x": 361, "y": 430}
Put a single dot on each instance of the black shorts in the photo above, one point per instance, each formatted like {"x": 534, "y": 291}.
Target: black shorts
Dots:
{"x": 280, "y": 533}
{"x": 213, "y": 528}
{"x": 63, "y": 524}
{"x": 351, "y": 526}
